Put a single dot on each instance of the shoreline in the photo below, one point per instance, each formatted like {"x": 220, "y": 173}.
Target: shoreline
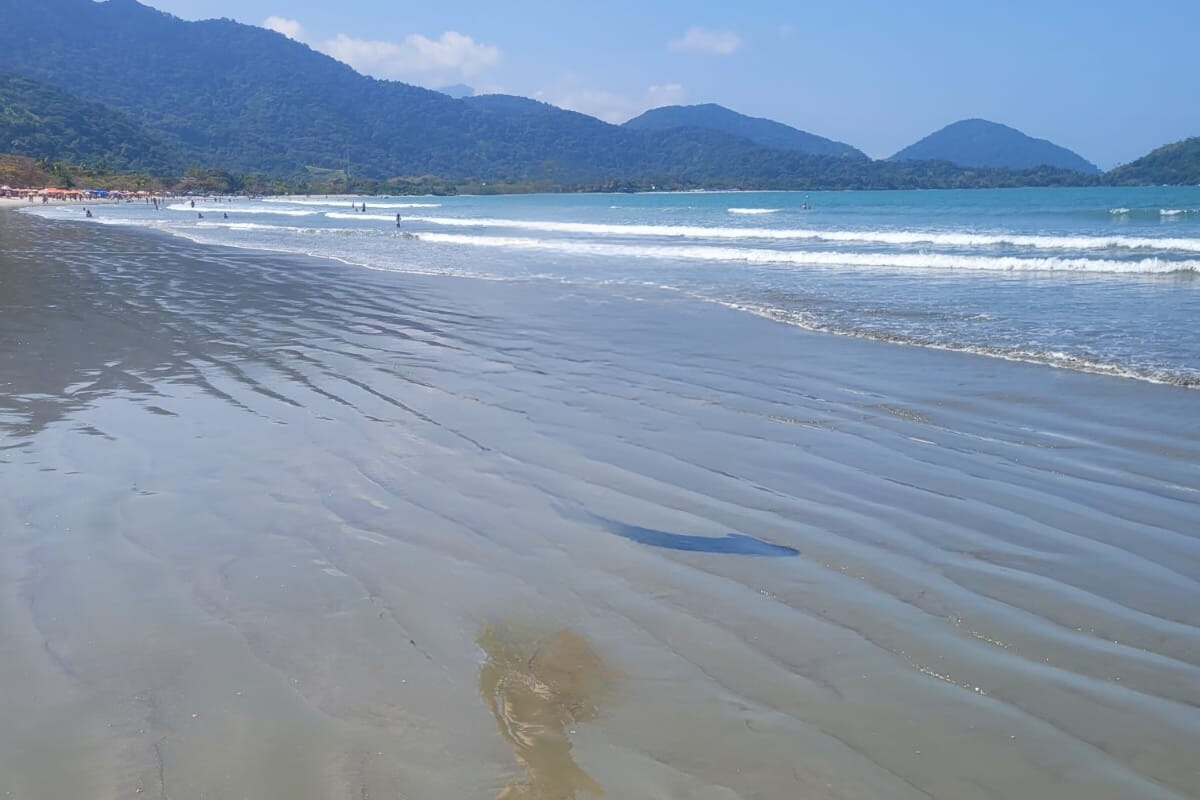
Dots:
{"x": 332, "y": 486}
{"x": 1182, "y": 376}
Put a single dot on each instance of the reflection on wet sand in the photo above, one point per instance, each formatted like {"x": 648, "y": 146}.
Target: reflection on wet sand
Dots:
{"x": 535, "y": 688}
{"x": 253, "y": 507}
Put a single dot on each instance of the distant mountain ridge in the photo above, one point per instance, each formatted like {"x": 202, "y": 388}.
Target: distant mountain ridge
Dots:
{"x": 239, "y": 97}
{"x": 764, "y": 132}
{"x": 980, "y": 143}
{"x": 134, "y": 88}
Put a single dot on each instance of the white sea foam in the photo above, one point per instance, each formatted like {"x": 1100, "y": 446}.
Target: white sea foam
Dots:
{"x": 919, "y": 261}
{"x": 897, "y": 238}
{"x": 232, "y": 208}
{"x": 123, "y": 222}
{"x": 1053, "y": 358}
{"x": 245, "y": 226}
{"x": 753, "y": 210}
{"x": 360, "y": 215}
{"x": 1175, "y": 212}
{"x": 378, "y": 204}
{"x": 342, "y": 202}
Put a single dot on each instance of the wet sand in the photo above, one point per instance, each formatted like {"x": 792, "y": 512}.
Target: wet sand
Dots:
{"x": 284, "y": 528}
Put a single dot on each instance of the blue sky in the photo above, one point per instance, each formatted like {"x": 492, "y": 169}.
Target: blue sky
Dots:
{"x": 1109, "y": 80}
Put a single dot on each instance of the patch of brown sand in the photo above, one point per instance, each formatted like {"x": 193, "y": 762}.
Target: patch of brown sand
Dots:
{"x": 536, "y": 689}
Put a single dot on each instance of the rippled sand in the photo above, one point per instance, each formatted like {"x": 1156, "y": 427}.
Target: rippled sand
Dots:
{"x": 284, "y": 528}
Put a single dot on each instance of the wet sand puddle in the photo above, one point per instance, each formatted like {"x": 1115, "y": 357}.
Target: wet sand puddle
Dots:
{"x": 536, "y": 689}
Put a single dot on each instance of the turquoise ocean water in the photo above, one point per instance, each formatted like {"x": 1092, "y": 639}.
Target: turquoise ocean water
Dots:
{"x": 1103, "y": 280}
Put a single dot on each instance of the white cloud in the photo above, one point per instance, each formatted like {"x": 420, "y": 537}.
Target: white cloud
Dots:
{"x": 288, "y": 27}
{"x": 610, "y": 106}
{"x": 668, "y": 94}
{"x": 417, "y": 58}
{"x": 700, "y": 40}
{"x": 598, "y": 103}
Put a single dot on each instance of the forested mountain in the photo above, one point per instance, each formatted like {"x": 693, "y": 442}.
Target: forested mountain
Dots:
{"x": 521, "y": 112}
{"x": 979, "y": 143}
{"x": 764, "y": 132}
{"x": 45, "y": 122}
{"x": 249, "y": 101}
{"x": 22, "y": 171}
{"x": 233, "y": 95}
{"x": 243, "y": 98}
{"x": 1175, "y": 164}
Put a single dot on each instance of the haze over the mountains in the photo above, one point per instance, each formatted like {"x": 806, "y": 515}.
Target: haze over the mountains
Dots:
{"x": 222, "y": 94}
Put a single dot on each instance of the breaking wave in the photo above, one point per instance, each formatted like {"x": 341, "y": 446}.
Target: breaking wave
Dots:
{"x": 937, "y": 261}
{"x": 897, "y": 238}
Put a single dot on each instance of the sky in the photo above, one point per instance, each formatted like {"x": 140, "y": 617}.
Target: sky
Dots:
{"x": 1109, "y": 80}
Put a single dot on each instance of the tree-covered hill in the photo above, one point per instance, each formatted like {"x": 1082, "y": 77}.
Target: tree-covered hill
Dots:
{"x": 513, "y": 106}
{"x": 23, "y": 171}
{"x": 240, "y": 100}
{"x": 46, "y": 123}
{"x": 763, "y": 132}
{"x": 979, "y": 143}
{"x": 229, "y": 95}
{"x": 1176, "y": 164}
{"x": 238, "y": 97}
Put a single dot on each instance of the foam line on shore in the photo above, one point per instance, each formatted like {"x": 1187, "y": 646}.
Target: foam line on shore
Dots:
{"x": 899, "y": 237}
{"x": 918, "y": 261}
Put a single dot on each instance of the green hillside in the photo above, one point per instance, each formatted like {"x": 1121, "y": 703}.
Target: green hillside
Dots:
{"x": 1176, "y": 164}
{"x": 763, "y": 132}
{"x": 46, "y": 123}
{"x": 237, "y": 97}
{"x": 239, "y": 101}
{"x": 23, "y": 171}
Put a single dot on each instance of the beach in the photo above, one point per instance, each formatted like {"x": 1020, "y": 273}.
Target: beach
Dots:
{"x": 287, "y": 527}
